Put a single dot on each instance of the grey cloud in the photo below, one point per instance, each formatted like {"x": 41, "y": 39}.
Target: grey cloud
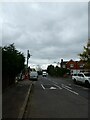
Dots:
{"x": 48, "y": 30}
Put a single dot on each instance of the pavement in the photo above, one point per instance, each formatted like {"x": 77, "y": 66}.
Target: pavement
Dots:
{"x": 15, "y": 99}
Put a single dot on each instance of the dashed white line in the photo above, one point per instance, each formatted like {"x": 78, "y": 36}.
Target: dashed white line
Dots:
{"x": 43, "y": 87}
{"x": 82, "y": 87}
{"x": 53, "y": 81}
{"x": 70, "y": 90}
{"x": 67, "y": 86}
{"x": 85, "y": 88}
{"x": 58, "y": 86}
{"x": 63, "y": 86}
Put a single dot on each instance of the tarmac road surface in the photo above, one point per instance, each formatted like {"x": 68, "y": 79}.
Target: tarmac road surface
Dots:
{"x": 57, "y": 98}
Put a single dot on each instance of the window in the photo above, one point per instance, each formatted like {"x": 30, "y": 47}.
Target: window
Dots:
{"x": 81, "y": 65}
{"x": 80, "y": 75}
{"x": 71, "y": 65}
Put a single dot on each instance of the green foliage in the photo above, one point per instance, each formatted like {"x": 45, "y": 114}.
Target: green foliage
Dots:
{"x": 50, "y": 70}
{"x": 12, "y": 64}
{"x": 57, "y": 71}
{"x": 85, "y": 56}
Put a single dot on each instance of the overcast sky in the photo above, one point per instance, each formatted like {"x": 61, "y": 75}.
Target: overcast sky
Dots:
{"x": 50, "y": 31}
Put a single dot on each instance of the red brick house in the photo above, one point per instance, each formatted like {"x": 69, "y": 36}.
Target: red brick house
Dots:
{"x": 73, "y": 66}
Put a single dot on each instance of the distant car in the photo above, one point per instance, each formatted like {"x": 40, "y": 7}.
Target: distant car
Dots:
{"x": 44, "y": 73}
{"x": 33, "y": 75}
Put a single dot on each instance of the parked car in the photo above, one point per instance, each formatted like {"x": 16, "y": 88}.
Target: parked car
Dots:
{"x": 44, "y": 73}
{"x": 33, "y": 75}
{"x": 73, "y": 76}
{"x": 82, "y": 78}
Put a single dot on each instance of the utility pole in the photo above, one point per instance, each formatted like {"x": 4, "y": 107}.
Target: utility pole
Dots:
{"x": 28, "y": 56}
{"x": 27, "y": 76}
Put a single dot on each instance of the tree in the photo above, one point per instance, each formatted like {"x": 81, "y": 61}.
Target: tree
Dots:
{"x": 50, "y": 70}
{"x": 12, "y": 64}
{"x": 57, "y": 71}
{"x": 85, "y": 56}
{"x": 39, "y": 69}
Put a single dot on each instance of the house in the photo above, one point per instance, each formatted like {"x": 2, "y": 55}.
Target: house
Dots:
{"x": 73, "y": 66}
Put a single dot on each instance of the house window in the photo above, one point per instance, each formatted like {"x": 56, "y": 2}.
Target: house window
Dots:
{"x": 81, "y": 65}
{"x": 71, "y": 65}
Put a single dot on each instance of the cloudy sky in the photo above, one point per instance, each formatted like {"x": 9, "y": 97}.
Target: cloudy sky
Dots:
{"x": 50, "y": 31}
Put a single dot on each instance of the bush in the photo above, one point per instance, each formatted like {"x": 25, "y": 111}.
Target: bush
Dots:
{"x": 12, "y": 64}
{"x": 57, "y": 71}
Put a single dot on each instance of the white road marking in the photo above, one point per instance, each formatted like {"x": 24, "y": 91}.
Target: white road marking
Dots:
{"x": 58, "y": 86}
{"x": 82, "y": 87}
{"x": 85, "y": 88}
{"x": 53, "y": 81}
{"x": 63, "y": 86}
{"x": 53, "y": 88}
{"x": 78, "y": 86}
{"x": 70, "y": 90}
{"x": 67, "y": 86}
{"x": 43, "y": 87}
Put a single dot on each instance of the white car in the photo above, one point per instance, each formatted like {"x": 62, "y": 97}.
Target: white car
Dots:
{"x": 33, "y": 75}
{"x": 82, "y": 77}
{"x": 44, "y": 73}
{"x": 73, "y": 76}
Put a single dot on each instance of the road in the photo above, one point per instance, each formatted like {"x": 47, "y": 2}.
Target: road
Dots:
{"x": 57, "y": 98}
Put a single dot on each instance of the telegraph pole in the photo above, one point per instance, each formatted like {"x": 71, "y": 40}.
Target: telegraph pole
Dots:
{"x": 27, "y": 76}
{"x": 28, "y": 56}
